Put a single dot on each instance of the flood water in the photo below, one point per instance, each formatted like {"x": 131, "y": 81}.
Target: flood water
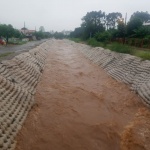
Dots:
{"x": 78, "y": 106}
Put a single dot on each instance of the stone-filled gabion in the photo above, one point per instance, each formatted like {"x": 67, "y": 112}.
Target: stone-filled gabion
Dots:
{"x": 18, "y": 80}
{"x": 123, "y": 67}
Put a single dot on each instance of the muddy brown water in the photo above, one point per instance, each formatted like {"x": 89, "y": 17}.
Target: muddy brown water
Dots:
{"x": 79, "y": 107}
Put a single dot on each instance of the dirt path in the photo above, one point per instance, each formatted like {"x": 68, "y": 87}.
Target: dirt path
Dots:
{"x": 78, "y": 106}
{"x": 10, "y": 51}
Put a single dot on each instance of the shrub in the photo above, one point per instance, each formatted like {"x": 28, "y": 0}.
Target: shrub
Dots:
{"x": 93, "y": 42}
{"x": 77, "y": 40}
{"x": 120, "y": 48}
{"x": 143, "y": 54}
{"x": 147, "y": 37}
{"x": 103, "y": 37}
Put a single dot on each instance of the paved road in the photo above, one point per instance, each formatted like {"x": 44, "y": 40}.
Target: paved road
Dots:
{"x": 79, "y": 107}
{"x": 8, "y": 52}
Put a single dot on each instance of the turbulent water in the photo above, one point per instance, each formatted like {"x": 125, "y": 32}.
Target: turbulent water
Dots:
{"x": 80, "y": 107}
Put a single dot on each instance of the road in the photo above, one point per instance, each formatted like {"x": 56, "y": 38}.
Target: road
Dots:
{"x": 13, "y": 50}
{"x": 78, "y": 106}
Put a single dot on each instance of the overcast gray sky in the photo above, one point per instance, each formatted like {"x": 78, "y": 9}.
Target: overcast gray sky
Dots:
{"x": 61, "y": 15}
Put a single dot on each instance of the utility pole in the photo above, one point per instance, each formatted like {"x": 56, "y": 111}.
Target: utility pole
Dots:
{"x": 24, "y": 27}
{"x": 124, "y": 40}
{"x": 126, "y": 19}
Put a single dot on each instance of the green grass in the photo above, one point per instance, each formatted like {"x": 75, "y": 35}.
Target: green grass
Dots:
{"x": 93, "y": 42}
{"x": 77, "y": 40}
{"x": 21, "y": 42}
{"x": 145, "y": 55}
{"x": 117, "y": 47}
{"x": 142, "y": 53}
{"x": 17, "y": 42}
{"x": 120, "y": 48}
{"x": 5, "y": 54}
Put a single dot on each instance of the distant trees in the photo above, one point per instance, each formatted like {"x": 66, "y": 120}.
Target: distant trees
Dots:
{"x": 17, "y": 33}
{"x": 42, "y": 29}
{"x": 96, "y": 22}
{"x": 132, "y": 25}
{"x": 112, "y": 18}
{"x": 104, "y": 26}
{"x": 142, "y": 32}
{"x": 78, "y": 33}
{"x": 8, "y": 31}
{"x": 121, "y": 30}
{"x": 143, "y": 16}
{"x": 136, "y": 23}
{"x": 102, "y": 36}
{"x": 93, "y": 22}
{"x": 58, "y": 35}
{"x": 42, "y": 35}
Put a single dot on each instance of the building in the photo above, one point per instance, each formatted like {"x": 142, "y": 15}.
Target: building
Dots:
{"x": 28, "y": 33}
{"x": 147, "y": 23}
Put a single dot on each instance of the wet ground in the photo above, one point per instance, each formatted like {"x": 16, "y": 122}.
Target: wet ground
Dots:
{"x": 79, "y": 107}
{"x": 10, "y": 50}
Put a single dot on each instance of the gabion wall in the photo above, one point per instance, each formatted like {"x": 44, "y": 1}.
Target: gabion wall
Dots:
{"x": 18, "y": 80}
{"x": 123, "y": 67}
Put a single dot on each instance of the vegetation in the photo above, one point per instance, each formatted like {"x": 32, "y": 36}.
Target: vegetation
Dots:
{"x": 103, "y": 36}
{"x": 98, "y": 23}
{"x": 112, "y": 18}
{"x": 143, "y": 16}
{"x": 111, "y": 31}
{"x": 5, "y": 54}
{"x": 120, "y": 48}
{"x": 100, "y": 29}
{"x": 145, "y": 55}
{"x": 77, "y": 40}
{"x": 93, "y": 42}
{"x": 14, "y": 36}
{"x": 7, "y": 31}
{"x": 42, "y": 35}
{"x": 58, "y": 35}
{"x": 117, "y": 47}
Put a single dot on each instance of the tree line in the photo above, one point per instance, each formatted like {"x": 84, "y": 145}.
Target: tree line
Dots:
{"x": 104, "y": 26}
{"x": 8, "y": 31}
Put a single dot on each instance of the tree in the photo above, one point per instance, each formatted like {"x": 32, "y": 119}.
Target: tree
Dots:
{"x": 59, "y": 35}
{"x": 112, "y": 18}
{"x": 143, "y": 16}
{"x": 77, "y": 33}
{"x": 16, "y": 33}
{"x": 103, "y": 36}
{"x": 41, "y": 29}
{"x": 132, "y": 25}
{"x": 121, "y": 32}
{"x": 93, "y": 22}
{"x": 6, "y": 31}
{"x": 141, "y": 32}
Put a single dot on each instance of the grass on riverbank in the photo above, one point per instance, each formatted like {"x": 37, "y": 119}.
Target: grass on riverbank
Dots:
{"x": 120, "y": 48}
{"x": 145, "y": 55}
{"x": 17, "y": 42}
{"x": 6, "y": 54}
{"x": 77, "y": 40}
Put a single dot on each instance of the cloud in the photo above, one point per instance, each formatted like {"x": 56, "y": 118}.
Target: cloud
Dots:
{"x": 62, "y": 14}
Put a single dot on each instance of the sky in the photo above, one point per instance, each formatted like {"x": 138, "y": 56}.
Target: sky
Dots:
{"x": 59, "y": 15}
